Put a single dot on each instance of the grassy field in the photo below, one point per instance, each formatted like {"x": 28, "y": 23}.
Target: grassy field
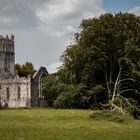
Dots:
{"x": 50, "y": 124}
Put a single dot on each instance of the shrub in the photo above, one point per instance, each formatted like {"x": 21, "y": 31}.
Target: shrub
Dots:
{"x": 111, "y": 116}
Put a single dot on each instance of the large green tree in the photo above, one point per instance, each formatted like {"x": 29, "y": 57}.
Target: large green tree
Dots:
{"x": 106, "y": 51}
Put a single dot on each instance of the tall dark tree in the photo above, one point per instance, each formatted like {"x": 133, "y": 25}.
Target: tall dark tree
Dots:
{"x": 106, "y": 51}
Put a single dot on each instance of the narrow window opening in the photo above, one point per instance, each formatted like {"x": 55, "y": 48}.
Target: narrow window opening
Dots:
{"x": 8, "y": 93}
{"x": 18, "y": 92}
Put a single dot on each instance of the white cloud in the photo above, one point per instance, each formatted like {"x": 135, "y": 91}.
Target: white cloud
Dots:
{"x": 55, "y": 9}
{"x": 62, "y": 17}
{"x": 135, "y": 10}
{"x": 53, "y": 67}
{"x": 67, "y": 30}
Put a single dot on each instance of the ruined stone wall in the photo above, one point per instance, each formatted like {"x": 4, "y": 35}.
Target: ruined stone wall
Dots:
{"x": 15, "y": 93}
{"x": 18, "y": 92}
{"x": 37, "y": 99}
{"x": 34, "y": 93}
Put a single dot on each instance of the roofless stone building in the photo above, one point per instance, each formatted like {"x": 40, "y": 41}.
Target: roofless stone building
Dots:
{"x": 15, "y": 91}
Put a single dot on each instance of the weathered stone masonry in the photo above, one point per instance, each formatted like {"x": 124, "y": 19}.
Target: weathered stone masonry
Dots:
{"x": 16, "y": 92}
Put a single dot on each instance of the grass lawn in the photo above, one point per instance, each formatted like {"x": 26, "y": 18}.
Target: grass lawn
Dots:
{"x": 50, "y": 124}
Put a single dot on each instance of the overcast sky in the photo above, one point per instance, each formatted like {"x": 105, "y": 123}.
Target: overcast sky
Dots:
{"x": 43, "y": 28}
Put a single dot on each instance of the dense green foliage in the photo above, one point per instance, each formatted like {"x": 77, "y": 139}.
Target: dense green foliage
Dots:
{"x": 102, "y": 66}
{"x": 25, "y": 69}
{"x": 61, "y": 95}
{"x": 52, "y": 88}
{"x": 50, "y": 124}
{"x": 79, "y": 96}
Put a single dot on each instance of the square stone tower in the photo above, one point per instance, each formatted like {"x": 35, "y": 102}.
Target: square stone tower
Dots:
{"x": 7, "y": 57}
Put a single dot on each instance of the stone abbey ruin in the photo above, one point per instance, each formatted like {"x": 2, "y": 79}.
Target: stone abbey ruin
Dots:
{"x": 15, "y": 91}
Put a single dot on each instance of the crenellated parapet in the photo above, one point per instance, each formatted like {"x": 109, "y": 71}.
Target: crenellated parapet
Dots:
{"x": 7, "y": 43}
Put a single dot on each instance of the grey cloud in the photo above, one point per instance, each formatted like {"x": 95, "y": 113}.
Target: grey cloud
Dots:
{"x": 43, "y": 28}
{"x": 19, "y": 13}
{"x": 57, "y": 14}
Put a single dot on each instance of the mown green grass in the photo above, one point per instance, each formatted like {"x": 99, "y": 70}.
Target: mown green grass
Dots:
{"x": 51, "y": 124}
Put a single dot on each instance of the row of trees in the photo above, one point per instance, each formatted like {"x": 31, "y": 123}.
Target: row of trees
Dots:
{"x": 102, "y": 67}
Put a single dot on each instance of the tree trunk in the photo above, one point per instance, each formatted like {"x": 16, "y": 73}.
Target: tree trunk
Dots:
{"x": 108, "y": 87}
{"x": 116, "y": 86}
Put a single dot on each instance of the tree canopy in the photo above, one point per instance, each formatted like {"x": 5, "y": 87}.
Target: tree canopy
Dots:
{"x": 106, "y": 52}
{"x": 25, "y": 69}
